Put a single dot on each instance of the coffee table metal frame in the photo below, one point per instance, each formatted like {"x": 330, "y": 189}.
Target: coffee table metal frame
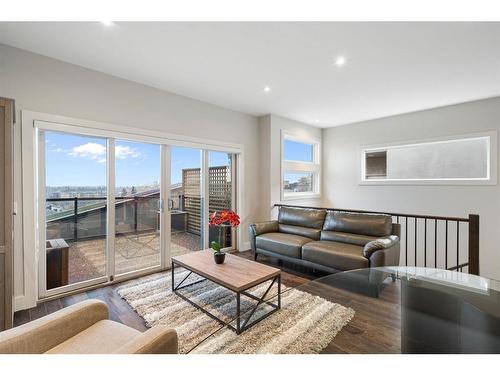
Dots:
{"x": 240, "y": 326}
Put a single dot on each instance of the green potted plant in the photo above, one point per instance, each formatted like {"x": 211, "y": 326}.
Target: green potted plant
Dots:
{"x": 222, "y": 219}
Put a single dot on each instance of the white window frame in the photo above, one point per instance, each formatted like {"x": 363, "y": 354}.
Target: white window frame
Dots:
{"x": 492, "y": 153}
{"x": 295, "y": 166}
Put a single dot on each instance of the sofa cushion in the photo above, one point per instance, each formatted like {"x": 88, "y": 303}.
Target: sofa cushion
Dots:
{"x": 337, "y": 255}
{"x": 302, "y": 217}
{"x": 312, "y": 233}
{"x": 282, "y": 243}
{"x": 105, "y": 336}
{"x": 352, "y": 238}
{"x": 366, "y": 224}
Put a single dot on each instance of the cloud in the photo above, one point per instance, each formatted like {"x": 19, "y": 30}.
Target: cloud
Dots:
{"x": 56, "y": 149}
{"x": 89, "y": 150}
{"x": 124, "y": 152}
{"x": 97, "y": 152}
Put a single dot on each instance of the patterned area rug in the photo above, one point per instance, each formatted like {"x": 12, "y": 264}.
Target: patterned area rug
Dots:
{"x": 305, "y": 323}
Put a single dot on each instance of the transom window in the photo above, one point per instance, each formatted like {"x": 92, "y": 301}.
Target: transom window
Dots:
{"x": 455, "y": 160}
{"x": 300, "y": 167}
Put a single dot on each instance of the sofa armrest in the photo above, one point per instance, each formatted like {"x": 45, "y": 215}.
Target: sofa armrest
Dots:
{"x": 257, "y": 229}
{"x": 40, "y": 335}
{"x": 383, "y": 251}
{"x": 157, "y": 340}
{"x": 379, "y": 244}
{"x": 264, "y": 227}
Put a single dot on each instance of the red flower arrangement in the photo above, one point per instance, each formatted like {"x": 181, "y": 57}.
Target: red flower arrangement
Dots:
{"x": 223, "y": 219}
{"x": 227, "y": 217}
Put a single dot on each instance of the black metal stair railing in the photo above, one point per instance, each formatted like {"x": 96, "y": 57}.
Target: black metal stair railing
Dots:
{"x": 450, "y": 243}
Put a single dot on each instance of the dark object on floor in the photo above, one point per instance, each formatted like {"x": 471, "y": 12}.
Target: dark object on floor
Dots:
{"x": 57, "y": 263}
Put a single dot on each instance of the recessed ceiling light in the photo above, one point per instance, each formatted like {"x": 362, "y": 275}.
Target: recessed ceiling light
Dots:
{"x": 267, "y": 89}
{"x": 340, "y": 61}
{"x": 107, "y": 23}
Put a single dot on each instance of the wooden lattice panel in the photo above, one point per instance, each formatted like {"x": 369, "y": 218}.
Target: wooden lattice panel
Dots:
{"x": 219, "y": 192}
{"x": 191, "y": 182}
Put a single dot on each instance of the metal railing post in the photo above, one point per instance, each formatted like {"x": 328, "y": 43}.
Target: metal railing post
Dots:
{"x": 75, "y": 219}
{"x": 135, "y": 214}
{"x": 474, "y": 244}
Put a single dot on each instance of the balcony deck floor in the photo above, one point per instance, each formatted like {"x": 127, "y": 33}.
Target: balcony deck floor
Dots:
{"x": 87, "y": 258}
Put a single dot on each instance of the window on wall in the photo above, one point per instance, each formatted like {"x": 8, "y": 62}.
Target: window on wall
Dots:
{"x": 459, "y": 160}
{"x": 300, "y": 167}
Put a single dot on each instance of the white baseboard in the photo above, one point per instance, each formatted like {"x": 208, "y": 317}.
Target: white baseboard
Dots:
{"x": 22, "y": 303}
{"x": 245, "y": 247}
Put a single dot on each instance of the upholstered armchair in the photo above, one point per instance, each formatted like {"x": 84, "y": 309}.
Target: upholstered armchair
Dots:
{"x": 85, "y": 328}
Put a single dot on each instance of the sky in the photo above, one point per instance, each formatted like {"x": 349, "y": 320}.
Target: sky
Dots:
{"x": 73, "y": 160}
{"x": 298, "y": 151}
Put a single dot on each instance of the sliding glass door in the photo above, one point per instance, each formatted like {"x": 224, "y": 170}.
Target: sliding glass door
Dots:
{"x": 185, "y": 203}
{"x": 74, "y": 184}
{"x": 137, "y": 244}
{"x": 111, "y": 208}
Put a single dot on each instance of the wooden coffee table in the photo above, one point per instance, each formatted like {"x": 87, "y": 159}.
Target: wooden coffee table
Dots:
{"x": 236, "y": 274}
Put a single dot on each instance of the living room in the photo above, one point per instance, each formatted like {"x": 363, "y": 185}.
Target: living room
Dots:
{"x": 250, "y": 187}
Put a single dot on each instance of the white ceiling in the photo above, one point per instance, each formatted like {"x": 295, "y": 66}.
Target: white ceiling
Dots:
{"x": 391, "y": 68}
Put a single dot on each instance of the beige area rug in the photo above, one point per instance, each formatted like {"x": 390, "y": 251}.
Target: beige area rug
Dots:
{"x": 305, "y": 323}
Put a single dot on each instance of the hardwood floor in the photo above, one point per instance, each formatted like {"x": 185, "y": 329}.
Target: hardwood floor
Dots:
{"x": 374, "y": 329}
{"x": 119, "y": 310}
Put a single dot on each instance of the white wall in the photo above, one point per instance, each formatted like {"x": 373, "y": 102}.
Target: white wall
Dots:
{"x": 271, "y": 127}
{"x": 42, "y": 84}
{"x": 265, "y": 165}
{"x": 341, "y": 152}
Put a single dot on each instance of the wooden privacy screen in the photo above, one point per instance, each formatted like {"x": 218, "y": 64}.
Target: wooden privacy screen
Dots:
{"x": 219, "y": 193}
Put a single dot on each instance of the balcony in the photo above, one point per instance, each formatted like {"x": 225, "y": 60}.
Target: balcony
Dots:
{"x": 87, "y": 257}
{"x": 81, "y": 224}
{"x": 76, "y": 226}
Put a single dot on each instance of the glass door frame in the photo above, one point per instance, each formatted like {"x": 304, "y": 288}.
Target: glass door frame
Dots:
{"x": 164, "y": 218}
{"x": 111, "y": 133}
{"x": 43, "y": 292}
{"x": 205, "y": 196}
{"x": 110, "y": 275}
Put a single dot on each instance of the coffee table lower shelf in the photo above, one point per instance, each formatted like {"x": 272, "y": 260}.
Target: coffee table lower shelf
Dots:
{"x": 241, "y": 324}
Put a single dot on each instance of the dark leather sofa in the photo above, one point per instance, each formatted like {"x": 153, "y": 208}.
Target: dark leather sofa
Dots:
{"x": 326, "y": 240}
